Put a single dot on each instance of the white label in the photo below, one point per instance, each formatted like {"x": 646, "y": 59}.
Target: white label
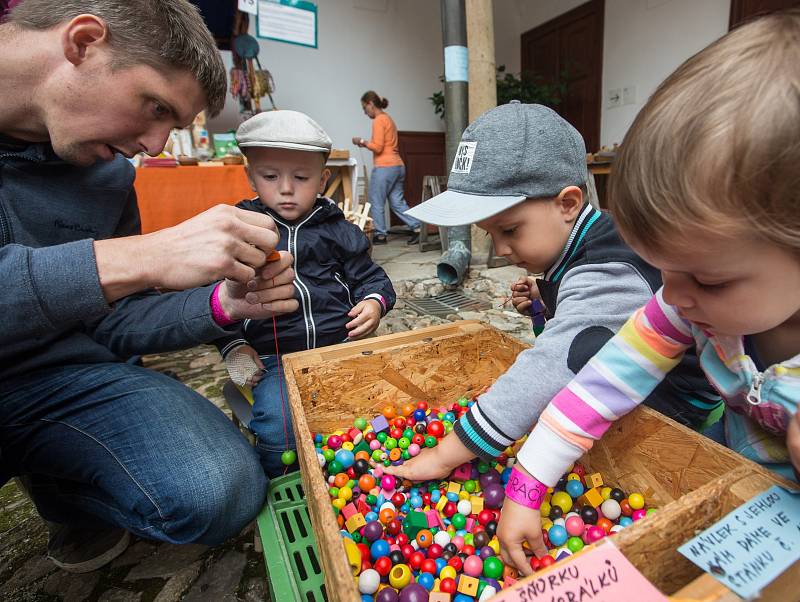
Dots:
{"x": 456, "y": 64}
{"x": 463, "y": 161}
{"x": 248, "y": 6}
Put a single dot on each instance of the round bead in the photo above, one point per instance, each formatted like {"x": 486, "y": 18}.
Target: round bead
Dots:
{"x": 595, "y": 533}
{"x": 458, "y": 521}
{"x": 413, "y": 450}
{"x": 575, "y": 544}
{"x": 611, "y": 509}
{"x": 413, "y": 592}
{"x": 493, "y": 567}
{"x": 636, "y": 500}
{"x": 400, "y": 576}
{"x": 473, "y": 566}
{"x": 574, "y": 525}
{"x": 639, "y": 514}
{"x": 625, "y": 521}
{"x": 387, "y": 594}
{"x": 464, "y": 507}
{"x": 493, "y": 495}
{"x": 574, "y": 488}
{"x": 617, "y": 494}
{"x": 368, "y": 581}
{"x": 373, "y": 531}
{"x": 388, "y": 482}
{"x": 426, "y": 580}
{"x": 558, "y": 535}
{"x": 563, "y": 500}
{"x": 379, "y": 548}
{"x": 424, "y": 538}
{"x": 589, "y": 515}
{"x": 288, "y": 457}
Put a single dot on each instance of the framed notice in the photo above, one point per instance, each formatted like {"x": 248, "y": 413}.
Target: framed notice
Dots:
{"x": 291, "y": 21}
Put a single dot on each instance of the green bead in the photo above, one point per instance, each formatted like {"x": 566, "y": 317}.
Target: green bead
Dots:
{"x": 574, "y": 544}
{"x": 403, "y": 443}
{"x": 405, "y": 455}
{"x": 481, "y": 586}
{"x": 387, "y": 462}
{"x": 469, "y": 539}
{"x": 448, "y": 426}
{"x": 371, "y": 499}
{"x": 329, "y": 455}
{"x": 458, "y": 521}
{"x": 377, "y": 455}
{"x": 335, "y": 467}
{"x": 382, "y": 436}
{"x": 463, "y": 402}
{"x": 356, "y": 537}
{"x": 351, "y": 484}
{"x": 390, "y": 443}
{"x": 408, "y": 433}
{"x": 470, "y": 486}
{"x": 650, "y": 511}
{"x": 493, "y": 567}
{"x": 333, "y": 492}
{"x": 360, "y": 424}
{"x": 430, "y": 441}
{"x": 289, "y": 457}
{"x": 483, "y": 467}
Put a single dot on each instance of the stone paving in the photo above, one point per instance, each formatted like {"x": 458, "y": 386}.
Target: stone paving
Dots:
{"x": 157, "y": 572}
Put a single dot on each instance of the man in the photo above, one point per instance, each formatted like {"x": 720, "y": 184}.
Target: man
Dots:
{"x": 104, "y": 447}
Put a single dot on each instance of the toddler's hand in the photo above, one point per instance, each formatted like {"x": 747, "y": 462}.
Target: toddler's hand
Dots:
{"x": 366, "y": 318}
{"x": 793, "y": 442}
{"x": 523, "y": 291}
{"x": 519, "y": 524}
{"x": 244, "y": 366}
{"x": 434, "y": 463}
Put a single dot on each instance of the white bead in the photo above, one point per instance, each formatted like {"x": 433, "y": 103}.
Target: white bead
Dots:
{"x": 611, "y": 509}
{"x": 321, "y": 459}
{"x": 464, "y": 507}
{"x": 487, "y": 593}
{"x": 561, "y": 522}
{"x": 368, "y": 581}
{"x": 441, "y": 538}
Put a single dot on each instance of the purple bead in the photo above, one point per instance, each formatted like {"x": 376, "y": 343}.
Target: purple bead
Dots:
{"x": 485, "y": 552}
{"x": 493, "y": 495}
{"x": 386, "y": 595}
{"x": 489, "y": 477}
{"x": 413, "y": 592}
{"x": 373, "y": 530}
{"x": 493, "y": 583}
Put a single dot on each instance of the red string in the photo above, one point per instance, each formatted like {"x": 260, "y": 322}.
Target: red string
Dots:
{"x": 280, "y": 382}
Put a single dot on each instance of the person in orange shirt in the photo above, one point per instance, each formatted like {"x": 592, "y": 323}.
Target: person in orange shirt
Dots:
{"x": 389, "y": 171}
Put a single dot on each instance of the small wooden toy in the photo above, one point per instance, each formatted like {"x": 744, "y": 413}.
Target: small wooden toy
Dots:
{"x": 467, "y": 585}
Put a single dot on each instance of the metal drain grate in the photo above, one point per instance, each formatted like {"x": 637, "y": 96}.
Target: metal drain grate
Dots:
{"x": 446, "y": 304}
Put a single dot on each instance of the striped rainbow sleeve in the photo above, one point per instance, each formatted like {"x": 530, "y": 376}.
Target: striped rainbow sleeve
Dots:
{"x": 617, "y": 379}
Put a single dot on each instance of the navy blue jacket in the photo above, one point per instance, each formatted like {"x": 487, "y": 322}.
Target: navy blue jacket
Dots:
{"x": 333, "y": 273}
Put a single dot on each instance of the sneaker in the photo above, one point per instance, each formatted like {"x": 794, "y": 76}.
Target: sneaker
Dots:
{"x": 413, "y": 240}
{"x": 379, "y": 239}
{"x": 82, "y": 550}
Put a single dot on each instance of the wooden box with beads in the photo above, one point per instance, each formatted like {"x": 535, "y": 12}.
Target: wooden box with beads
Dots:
{"x": 691, "y": 480}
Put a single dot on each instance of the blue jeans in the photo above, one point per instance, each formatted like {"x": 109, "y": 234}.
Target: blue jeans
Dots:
{"x": 272, "y": 420}
{"x": 121, "y": 445}
{"x": 388, "y": 182}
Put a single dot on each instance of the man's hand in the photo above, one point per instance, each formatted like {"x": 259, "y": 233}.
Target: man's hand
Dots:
{"x": 222, "y": 242}
{"x": 519, "y": 524}
{"x": 434, "y": 463}
{"x": 523, "y": 291}
{"x": 366, "y": 318}
{"x": 270, "y": 293}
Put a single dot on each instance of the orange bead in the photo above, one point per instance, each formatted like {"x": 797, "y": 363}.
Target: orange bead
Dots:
{"x": 389, "y": 412}
{"x": 605, "y": 524}
{"x": 366, "y": 482}
{"x": 424, "y": 538}
{"x": 340, "y": 520}
{"x": 274, "y": 256}
{"x": 340, "y": 480}
{"x": 386, "y": 516}
{"x": 362, "y": 455}
{"x": 395, "y": 454}
{"x": 408, "y": 409}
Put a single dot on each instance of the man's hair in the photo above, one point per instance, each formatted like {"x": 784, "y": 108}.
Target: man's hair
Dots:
{"x": 163, "y": 34}
{"x": 717, "y": 146}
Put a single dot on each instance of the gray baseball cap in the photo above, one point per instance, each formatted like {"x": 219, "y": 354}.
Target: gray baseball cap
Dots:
{"x": 283, "y": 129}
{"x": 510, "y": 153}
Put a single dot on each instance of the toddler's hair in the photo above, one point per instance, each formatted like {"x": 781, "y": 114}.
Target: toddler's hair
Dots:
{"x": 717, "y": 146}
{"x": 374, "y": 98}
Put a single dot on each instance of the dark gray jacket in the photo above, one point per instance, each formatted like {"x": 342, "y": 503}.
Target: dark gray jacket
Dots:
{"x": 52, "y": 307}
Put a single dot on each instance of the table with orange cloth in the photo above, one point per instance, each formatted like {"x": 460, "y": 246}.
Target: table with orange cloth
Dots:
{"x": 171, "y": 195}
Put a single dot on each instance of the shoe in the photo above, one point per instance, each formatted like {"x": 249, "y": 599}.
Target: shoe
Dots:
{"x": 413, "y": 240}
{"x": 82, "y": 550}
{"x": 379, "y": 239}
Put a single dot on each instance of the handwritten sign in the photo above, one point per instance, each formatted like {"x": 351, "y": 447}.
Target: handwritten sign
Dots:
{"x": 599, "y": 575}
{"x": 248, "y": 6}
{"x": 752, "y": 545}
{"x": 292, "y": 21}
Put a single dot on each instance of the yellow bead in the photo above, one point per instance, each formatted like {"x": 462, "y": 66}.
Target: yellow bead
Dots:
{"x": 546, "y": 524}
{"x": 545, "y": 509}
{"x": 606, "y": 493}
{"x": 348, "y": 445}
{"x": 400, "y": 576}
{"x": 339, "y": 503}
{"x": 345, "y": 493}
{"x": 573, "y": 477}
{"x": 553, "y": 553}
{"x": 446, "y": 572}
{"x": 636, "y": 500}
{"x": 464, "y": 495}
{"x": 562, "y": 499}
{"x": 495, "y": 545}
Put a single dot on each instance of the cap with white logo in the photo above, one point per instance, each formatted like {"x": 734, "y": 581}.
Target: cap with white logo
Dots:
{"x": 510, "y": 153}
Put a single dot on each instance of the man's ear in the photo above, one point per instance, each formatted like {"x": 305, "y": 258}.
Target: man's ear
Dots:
{"x": 80, "y": 34}
{"x": 570, "y": 202}
{"x": 323, "y": 181}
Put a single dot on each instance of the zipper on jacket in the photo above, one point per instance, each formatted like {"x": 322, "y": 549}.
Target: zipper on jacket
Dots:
{"x": 346, "y": 288}
{"x": 5, "y": 228}
{"x": 754, "y": 395}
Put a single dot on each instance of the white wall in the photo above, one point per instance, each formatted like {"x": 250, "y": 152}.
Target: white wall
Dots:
{"x": 644, "y": 41}
{"x": 391, "y": 46}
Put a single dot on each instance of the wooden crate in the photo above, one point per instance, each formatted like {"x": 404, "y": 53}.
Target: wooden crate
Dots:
{"x": 692, "y": 480}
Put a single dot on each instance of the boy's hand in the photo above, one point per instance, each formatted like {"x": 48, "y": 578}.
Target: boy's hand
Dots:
{"x": 519, "y": 524}
{"x": 434, "y": 463}
{"x": 523, "y": 291}
{"x": 244, "y": 366}
{"x": 793, "y": 442}
{"x": 366, "y": 318}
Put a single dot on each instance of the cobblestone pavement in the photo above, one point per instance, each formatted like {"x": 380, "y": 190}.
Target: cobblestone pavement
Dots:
{"x": 151, "y": 571}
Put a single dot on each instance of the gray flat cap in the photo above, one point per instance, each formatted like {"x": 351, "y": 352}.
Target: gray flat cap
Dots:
{"x": 283, "y": 129}
{"x": 510, "y": 153}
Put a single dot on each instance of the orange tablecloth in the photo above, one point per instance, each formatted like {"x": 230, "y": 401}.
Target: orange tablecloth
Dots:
{"x": 170, "y": 195}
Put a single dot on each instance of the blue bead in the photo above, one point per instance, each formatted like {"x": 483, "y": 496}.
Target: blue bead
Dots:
{"x": 436, "y": 495}
{"x": 345, "y": 457}
{"x": 419, "y": 415}
{"x": 367, "y": 598}
{"x": 574, "y": 488}
{"x": 379, "y": 548}
{"x": 558, "y": 535}
{"x": 371, "y": 516}
{"x": 415, "y": 501}
{"x": 405, "y": 509}
{"x": 452, "y": 497}
{"x": 450, "y": 417}
{"x": 625, "y": 521}
{"x": 318, "y": 438}
{"x": 505, "y": 476}
{"x": 426, "y": 580}
{"x": 440, "y": 564}
{"x": 463, "y": 598}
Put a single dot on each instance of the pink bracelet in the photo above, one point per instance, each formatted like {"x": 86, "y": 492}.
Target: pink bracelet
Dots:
{"x": 525, "y": 490}
{"x": 219, "y": 315}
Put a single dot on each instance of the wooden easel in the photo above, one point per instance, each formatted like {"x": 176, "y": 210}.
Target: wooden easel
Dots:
{"x": 431, "y": 186}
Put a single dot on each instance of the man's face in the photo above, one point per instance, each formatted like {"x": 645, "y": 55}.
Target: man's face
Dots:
{"x": 101, "y": 112}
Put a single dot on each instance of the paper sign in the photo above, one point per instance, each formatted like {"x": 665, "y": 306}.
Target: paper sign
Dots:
{"x": 752, "y": 545}
{"x": 456, "y": 64}
{"x": 599, "y": 575}
{"x": 293, "y": 21}
{"x": 248, "y": 6}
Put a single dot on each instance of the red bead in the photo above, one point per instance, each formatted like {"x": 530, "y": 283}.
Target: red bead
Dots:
{"x": 579, "y": 470}
{"x": 390, "y": 540}
{"x": 419, "y": 439}
{"x": 365, "y": 564}
{"x": 407, "y": 551}
{"x": 435, "y": 428}
{"x": 383, "y": 565}
{"x": 402, "y": 539}
{"x": 428, "y": 566}
{"x": 502, "y": 459}
{"x": 395, "y": 433}
{"x": 485, "y": 517}
{"x": 394, "y": 527}
{"x": 625, "y": 506}
{"x": 346, "y": 438}
{"x": 456, "y": 563}
{"x": 398, "y": 499}
{"x": 535, "y": 564}
{"x": 468, "y": 550}
{"x": 410, "y": 422}
{"x": 434, "y": 551}
{"x": 364, "y": 548}
{"x": 351, "y": 473}
{"x": 426, "y": 499}
{"x": 546, "y": 561}
{"x": 415, "y": 560}
{"x": 422, "y": 405}
{"x": 546, "y": 538}
{"x": 370, "y": 437}
{"x": 399, "y": 423}
{"x": 447, "y": 586}
{"x": 450, "y": 509}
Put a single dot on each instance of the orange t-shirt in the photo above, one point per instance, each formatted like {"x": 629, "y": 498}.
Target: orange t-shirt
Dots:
{"x": 384, "y": 142}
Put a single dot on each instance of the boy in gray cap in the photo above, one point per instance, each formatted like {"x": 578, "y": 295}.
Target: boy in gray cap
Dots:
{"x": 342, "y": 293}
{"x": 520, "y": 174}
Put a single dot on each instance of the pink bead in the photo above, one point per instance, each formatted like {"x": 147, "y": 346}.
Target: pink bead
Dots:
{"x": 413, "y": 449}
{"x": 388, "y": 482}
{"x": 639, "y": 514}
{"x": 575, "y": 526}
{"x": 473, "y": 566}
{"x": 595, "y": 533}
{"x": 334, "y": 441}
{"x": 458, "y": 541}
{"x": 374, "y": 444}
{"x": 377, "y": 472}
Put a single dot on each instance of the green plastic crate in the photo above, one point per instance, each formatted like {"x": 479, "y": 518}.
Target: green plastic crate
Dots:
{"x": 290, "y": 548}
